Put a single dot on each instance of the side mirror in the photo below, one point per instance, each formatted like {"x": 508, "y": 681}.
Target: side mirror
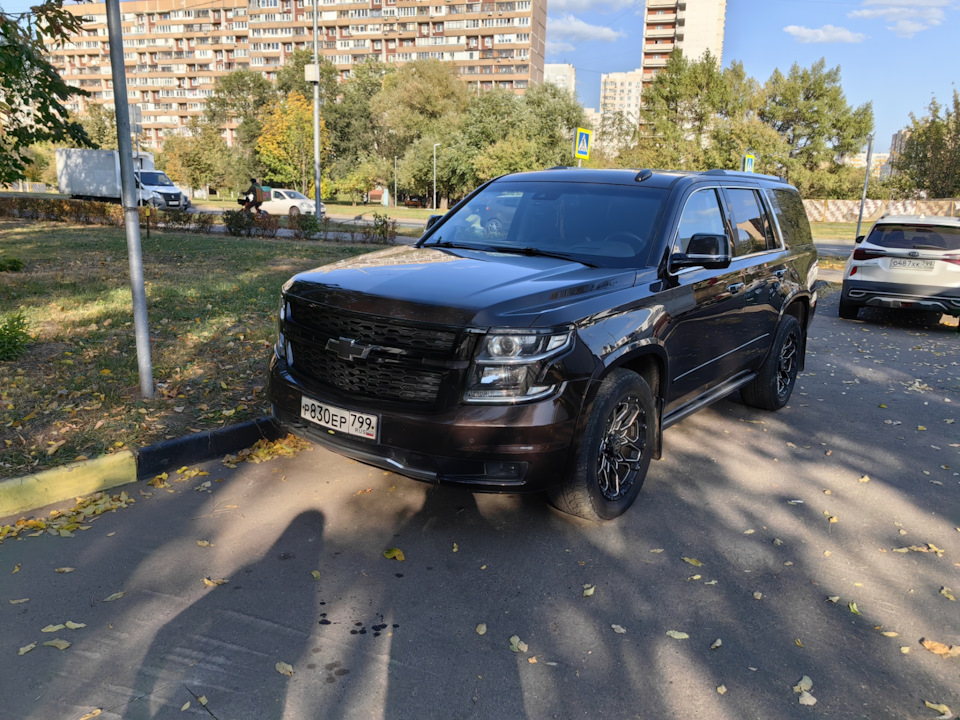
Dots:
{"x": 860, "y": 239}
{"x": 704, "y": 250}
{"x": 433, "y": 220}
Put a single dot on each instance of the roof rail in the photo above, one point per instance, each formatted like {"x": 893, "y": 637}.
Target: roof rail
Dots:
{"x": 741, "y": 174}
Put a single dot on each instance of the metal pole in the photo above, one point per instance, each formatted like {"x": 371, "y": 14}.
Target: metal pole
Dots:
{"x": 395, "y": 181}
{"x": 866, "y": 181}
{"x": 435, "y": 146}
{"x": 316, "y": 111}
{"x": 130, "y": 213}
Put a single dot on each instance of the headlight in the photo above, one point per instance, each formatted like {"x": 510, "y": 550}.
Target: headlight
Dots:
{"x": 509, "y": 366}
{"x": 282, "y": 348}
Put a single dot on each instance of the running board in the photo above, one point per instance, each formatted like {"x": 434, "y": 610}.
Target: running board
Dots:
{"x": 717, "y": 393}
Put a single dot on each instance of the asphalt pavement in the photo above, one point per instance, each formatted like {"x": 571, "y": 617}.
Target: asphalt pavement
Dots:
{"x": 820, "y": 541}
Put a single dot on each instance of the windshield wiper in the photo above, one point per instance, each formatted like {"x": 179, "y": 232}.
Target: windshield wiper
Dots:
{"x": 537, "y": 252}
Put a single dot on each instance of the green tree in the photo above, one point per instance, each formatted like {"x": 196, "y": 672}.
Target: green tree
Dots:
{"x": 100, "y": 125}
{"x": 550, "y": 117}
{"x": 285, "y": 146}
{"x": 930, "y": 161}
{"x": 32, "y": 92}
{"x": 809, "y": 109}
{"x": 290, "y": 77}
{"x": 240, "y": 97}
{"x": 414, "y": 101}
{"x": 514, "y": 153}
{"x": 198, "y": 159}
{"x": 354, "y": 133}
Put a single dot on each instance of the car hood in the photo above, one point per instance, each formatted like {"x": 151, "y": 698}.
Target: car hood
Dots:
{"x": 456, "y": 287}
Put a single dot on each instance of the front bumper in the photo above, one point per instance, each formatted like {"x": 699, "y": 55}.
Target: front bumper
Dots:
{"x": 483, "y": 448}
{"x": 897, "y": 295}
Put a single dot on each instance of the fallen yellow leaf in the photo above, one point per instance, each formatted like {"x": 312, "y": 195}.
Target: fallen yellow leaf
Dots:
{"x": 532, "y": 660}
{"x": 722, "y": 689}
{"x": 692, "y": 561}
{"x": 203, "y": 700}
{"x": 797, "y": 642}
{"x": 65, "y": 570}
{"x": 757, "y": 595}
{"x": 315, "y": 574}
{"x": 26, "y": 648}
{"x": 70, "y": 624}
{"x": 619, "y": 629}
{"x": 947, "y": 593}
{"x": 517, "y": 645}
{"x": 16, "y": 569}
{"x": 21, "y": 600}
{"x": 58, "y": 644}
{"x": 204, "y": 543}
{"x": 394, "y": 554}
{"x": 284, "y": 669}
{"x": 92, "y": 714}
{"x": 588, "y": 590}
{"x": 677, "y": 635}
{"x": 939, "y": 707}
{"x": 185, "y": 706}
{"x": 115, "y": 596}
{"x": 853, "y": 608}
{"x": 53, "y": 628}
{"x": 456, "y": 548}
{"x": 804, "y": 684}
{"x": 482, "y": 629}
{"x": 213, "y": 582}
{"x": 938, "y": 648}
{"x": 716, "y": 643}
{"x": 890, "y": 633}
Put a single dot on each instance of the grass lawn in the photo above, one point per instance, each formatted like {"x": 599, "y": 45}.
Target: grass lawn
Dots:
{"x": 212, "y": 304}
{"x": 837, "y": 230}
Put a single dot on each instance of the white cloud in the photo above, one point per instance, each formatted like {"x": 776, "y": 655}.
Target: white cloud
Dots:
{"x": 907, "y": 17}
{"x": 568, "y": 29}
{"x": 592, "y": 5}
{"x": 825, "y": 34}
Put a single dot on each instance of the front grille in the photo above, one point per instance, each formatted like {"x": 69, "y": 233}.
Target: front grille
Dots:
{"x": 407, "y": 362}
{"x": 367, "y": 330}
{"x": 365, "y": 379}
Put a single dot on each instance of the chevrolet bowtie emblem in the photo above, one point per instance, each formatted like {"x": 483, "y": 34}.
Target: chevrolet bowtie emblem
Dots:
{"x": 347, "y": 349}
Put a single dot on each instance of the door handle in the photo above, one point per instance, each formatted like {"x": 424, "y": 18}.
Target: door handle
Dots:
{"x": 735, "y": 288}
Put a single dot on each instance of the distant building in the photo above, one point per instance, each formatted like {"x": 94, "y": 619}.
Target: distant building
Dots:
{"x": 563, "y": 75}
{"x": 693, "y": 26}
{"x": 174, "y": 50}
{"x": 877, "y": 162}
{"x": 620, "y": 92}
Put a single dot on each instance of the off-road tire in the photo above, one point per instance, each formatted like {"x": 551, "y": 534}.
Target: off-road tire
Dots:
{"x": 622, "y": 424}
{"x": 772, "y": 387}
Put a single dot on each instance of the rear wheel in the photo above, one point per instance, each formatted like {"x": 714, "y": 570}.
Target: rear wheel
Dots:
{"x": 614, "y": 451}
{"x": 294, "y": 211}
{"x": 771, "y": 389}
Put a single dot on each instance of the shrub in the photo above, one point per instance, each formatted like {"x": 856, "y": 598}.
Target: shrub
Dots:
{"x": 204, "y": 222}
{"x": 266, "y": 226}
{"x": 13, "y": 336}
{"x": 384, "y": 230}
{"x": 304, "y": 226}
{"x": 176, "y": 218}
{"x": 237, "y": 222}
{"x": 11, "y": 265}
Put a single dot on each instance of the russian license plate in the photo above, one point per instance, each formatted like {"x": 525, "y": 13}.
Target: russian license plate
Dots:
{"x": 334, "y": 418}
{"x": 910, "y": 264}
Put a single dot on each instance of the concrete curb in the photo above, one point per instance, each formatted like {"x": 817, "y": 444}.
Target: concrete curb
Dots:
{"x": 17, "y": 495}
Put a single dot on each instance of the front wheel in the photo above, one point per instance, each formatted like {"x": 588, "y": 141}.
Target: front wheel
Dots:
{"x": 772, "y": 387}
{"x": 614, "y": 451}
{"x": 294, "y": 211}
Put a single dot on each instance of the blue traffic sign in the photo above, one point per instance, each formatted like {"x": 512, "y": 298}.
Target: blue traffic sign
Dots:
{"x": 581, "y": 148}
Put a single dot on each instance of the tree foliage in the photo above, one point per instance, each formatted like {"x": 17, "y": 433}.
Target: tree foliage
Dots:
{"x": 32, "y": 92}
{"x": 100, "y": 125}
{"x": 930, "y": 161}
{"x": 285, "y": 146}
{"x": 199, "y": 158}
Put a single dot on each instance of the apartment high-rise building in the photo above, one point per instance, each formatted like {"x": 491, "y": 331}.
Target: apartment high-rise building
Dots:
{"x": 563, "y": 75}
{"x": 693, "y": 26}
{"x": 620, "y": 92}
{"x": 174, "y": 50}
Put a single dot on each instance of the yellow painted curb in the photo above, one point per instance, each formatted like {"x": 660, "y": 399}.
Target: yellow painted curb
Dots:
{"x": 67, "y": 482}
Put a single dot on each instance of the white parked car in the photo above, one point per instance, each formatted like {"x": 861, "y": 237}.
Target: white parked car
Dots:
{"x": 906, "y": 261}
{"x": 280, "y": 201}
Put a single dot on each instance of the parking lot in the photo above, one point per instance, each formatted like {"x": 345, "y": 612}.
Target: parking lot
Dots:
{"x": 820, "y": 541}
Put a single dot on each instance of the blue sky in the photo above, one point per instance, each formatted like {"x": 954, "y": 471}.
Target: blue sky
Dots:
{"x": 896, "y": 54}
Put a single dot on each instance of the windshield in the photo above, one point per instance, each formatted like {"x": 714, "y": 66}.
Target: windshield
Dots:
{"x": 154, "y": 178}
{"x": 606, "y": 225}
{"x": 915, "y": 237}
{"x": 294, "y": 195}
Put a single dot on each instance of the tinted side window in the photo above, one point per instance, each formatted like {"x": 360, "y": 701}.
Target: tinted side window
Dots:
{"x": 915, "y": 237}
{"x": 752, "y": 227}
{"x": 790, "y": 214}
{"x": 701, "y": 214}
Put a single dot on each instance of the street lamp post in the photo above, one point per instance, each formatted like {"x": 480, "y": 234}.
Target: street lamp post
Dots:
{"x": 316, "y": 112}
{"x": 435, "y": 146}
{"x": 866, "y": 182}
{"x": 395, "y": 203}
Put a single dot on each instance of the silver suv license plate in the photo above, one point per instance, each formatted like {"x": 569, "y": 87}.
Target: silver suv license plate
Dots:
{"x": 910, "y": 264}
{"x": 346, "y": 421}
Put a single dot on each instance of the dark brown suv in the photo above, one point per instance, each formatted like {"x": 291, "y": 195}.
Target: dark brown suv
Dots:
{"x": 548, "y": 353}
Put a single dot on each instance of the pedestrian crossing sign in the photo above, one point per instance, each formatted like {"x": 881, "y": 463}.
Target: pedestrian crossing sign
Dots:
{"x": 746, "y": 164}
{"x": 581, "y": 148}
